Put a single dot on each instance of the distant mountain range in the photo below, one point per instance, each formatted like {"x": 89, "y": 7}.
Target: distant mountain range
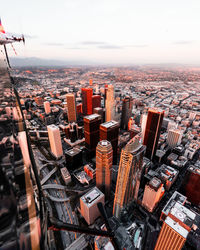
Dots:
{"x": 37, "y": 62}
{"x": 34, "y": 62}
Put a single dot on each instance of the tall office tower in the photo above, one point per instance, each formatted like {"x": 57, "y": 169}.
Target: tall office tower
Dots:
{"x": 171, "y": 125}
{"x": 71, "y": 107}
{"x": 174, "y": 137}
{"x": 143, "y": 124}
{"x": 87, "y": 100}
{"x": 191, "y": 185}
{"x": 55, "y": 140}
{"x": 47, "y": 107}
{"x": 90, "y": 82}
{"x": 152, "y": 131}
{"x": 91, "y": 131}
{"x": 96, "y": 102}
{"x": 110, "y": 103}
{"x": 127, "y": 105}
{"x": 175, "y": 228}
{"x": 99, "y": 111}
{"x": 79, "y": 109}
{"x": 152, "y": 194}
{"x": 88, "y": 204}
{"x": 129, "y": 174}
{"x": 104, "y": 159}
{"x": 109, "y": 131}
{"x": 131, "y": 123}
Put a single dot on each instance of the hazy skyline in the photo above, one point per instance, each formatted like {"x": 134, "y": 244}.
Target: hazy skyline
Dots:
{"x": 106, "y": 31}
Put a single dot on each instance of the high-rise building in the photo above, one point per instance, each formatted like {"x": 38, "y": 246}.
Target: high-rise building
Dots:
{"x": 79, "y": 109}
{"x": 131, "y": 123}
{"x": 96, "y": 102}
{"x": 191, "y": 185}
{"x": 104, "y": 159}
{"x": 71, "y": 107}
{"x": 88, "y": 204}
{"x": 174, "y": 137}
{"x": 73, "y": 158}
{"x": 55, "y": 140}
{"x": 91, "y": 131}
{"x": 152, "y": 131}
{"x": 90, "y": 82}
{"x": 99, "y": 111}
{"x": 110, "y": 103}
{"x": 129, "y": 174}
{"x": 127, "y": 105}
{"x": 87, "y": 100}
{"x": 47, "y": 107}
{"x": 143, "y": 124}
{"x": 171, "y": 125}
{"x": 109, "y": 131}
{"x": 152, "y": 194}
{"x": 175, "y": 228}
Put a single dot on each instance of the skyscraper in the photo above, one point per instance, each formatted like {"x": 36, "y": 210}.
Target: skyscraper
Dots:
{"x": 99, "y": 111}
{"x": 104, "y": 159}
{"x": 174, "y": 137}
{"x": 152, "y": 194}
{"x": 109, "y": 131}
{"x": 126, "y": 112}
{"x": 87, "y": 100}
{"x": 91, "y": 130}
{"x": 88, "y": 204}
{"x": 47, "y": 107}
{"x": 90, "y": 82}
{"x": 110, "y": 103}
{"x": 152, "y": 131}
{"x": 96, "y": 102}
{"x": 55, "y": 140}
{"x": 129, "y": 174}
{"x": 71, "y": 107}
{"x": 143, "y": 124}
{"x": 175, "y": 228}
{"x": 191, "y": 184}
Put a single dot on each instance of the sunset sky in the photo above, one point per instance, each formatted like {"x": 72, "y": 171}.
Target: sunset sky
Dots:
{"x": 106, "y": 31}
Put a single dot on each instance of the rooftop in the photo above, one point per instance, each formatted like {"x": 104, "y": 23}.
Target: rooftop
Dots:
{"x": 109, "y": 124}
{"x": 92, "y": 196}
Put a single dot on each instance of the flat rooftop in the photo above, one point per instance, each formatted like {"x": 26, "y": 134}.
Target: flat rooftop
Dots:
{"x": 92, "y": 117}
{"x": 109, "y": 124}
{"x": 92, "y": 196}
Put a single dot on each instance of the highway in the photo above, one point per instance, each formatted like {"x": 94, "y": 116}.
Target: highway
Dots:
{"x": 57, "y": 197}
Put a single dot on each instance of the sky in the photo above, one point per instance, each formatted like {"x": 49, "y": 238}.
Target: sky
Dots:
{"x": 106, "y": 31}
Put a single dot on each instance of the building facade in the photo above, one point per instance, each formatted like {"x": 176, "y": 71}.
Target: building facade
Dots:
{"x": 110, "y": 103}
{"x": 71, "y": 107}
{"x": 109, "y": 131}
{"x": 152, "y": 131}
{"x": 91, "y": 131}
{"x": 104, "y": 159}
{"x": 129, "y": 174}
{"x": 87, "y": 100}
{"x": 55, "y": 140}
{"x": 152, "y": 194}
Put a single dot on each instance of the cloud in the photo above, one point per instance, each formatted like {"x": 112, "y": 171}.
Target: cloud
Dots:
{"x": 92, "y": 43}
{"x": 110, "y": 46}
{"x": 53, "y": 44}
{"x": 183, "y": 42}
{"x": 137, "y": 46}
{"x": 75, "y": 48}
